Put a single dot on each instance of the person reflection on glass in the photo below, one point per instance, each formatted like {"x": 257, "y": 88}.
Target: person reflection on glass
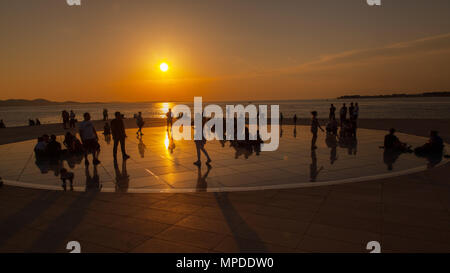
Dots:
{"x": 331, "y": 142}
{"x": 313, "y": 172}
{"x": 141, "y": 147}
{"x": 202, "y": 185}
{"x": 92, "y": 182}
{"x": 171, "y": 144}
{"x": 122, "y": 177}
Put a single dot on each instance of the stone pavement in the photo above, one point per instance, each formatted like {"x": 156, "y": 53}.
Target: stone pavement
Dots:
{"x": 405, "y": 214}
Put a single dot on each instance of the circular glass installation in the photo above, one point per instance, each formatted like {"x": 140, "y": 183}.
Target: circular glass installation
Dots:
{"x": 160, "y": 164}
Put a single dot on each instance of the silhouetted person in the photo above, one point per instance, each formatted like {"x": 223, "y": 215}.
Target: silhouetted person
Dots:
{"x": 356, "y": 112}
{"x": 105, "y": 114}
{"x": 31, "y": 122}
{"x": 118, "y": 134}
{"x": 89, "y": 139}
{"x": 72, "y": 144}
{"x": 169, "y": 117}
{"x": 393, "y": 148}
{"x": 332, "y": 114}
{"x": 202, "y": 185}
{"x": 343, "y": 114}
{"x": 66, "y": 176}
{"x": 351, "y": 110}
{"x": 65, "y": 118}
{"x": 313, "y": 172}
{"x": 140, "y": 123}
{"x": 315, "y": 125}
{"x": 122, "y": 177}
{"x": 72, "y": 119}
{"x": 281, "y": 119}
{"x": 435, "y": 146}
{"x": 2, "y": 124}
{"x": 38, "y": 122}
{"x": 53, "y": 148}
{"x": 295, "y": 119}
{"x": 40, "y": 148}
{"x": 391, "y": 142}
{"x": 200, "y": 143}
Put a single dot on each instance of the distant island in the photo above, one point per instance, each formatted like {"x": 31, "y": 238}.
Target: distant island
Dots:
{"x": 36, "y": 102}
{"x": 421, "y": 95}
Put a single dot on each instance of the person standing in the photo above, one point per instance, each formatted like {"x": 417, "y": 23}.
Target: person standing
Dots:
{"x": 140, "y": 123}
{"x": 332, "y": 112}
{"x": 295, "y": 119}
{"x": 356, "y": 112}
{"x": 105, "y": 114}
{"x": 89, "y": 137}
{"x": 343, "y": 114}
{"x": 351, "y": 111}
{"x": 72, "y": 119}
{"x": 65, "y": 118}
{"x": 315, "y": 125}
{"x": 118, "y": 134}
{"x": 169, "y": 119}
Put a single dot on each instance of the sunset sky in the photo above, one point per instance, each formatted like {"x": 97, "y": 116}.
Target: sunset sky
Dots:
{"x": 111, "y": 50}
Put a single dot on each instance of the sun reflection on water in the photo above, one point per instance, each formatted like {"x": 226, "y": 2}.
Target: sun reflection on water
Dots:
{"x": 164, "y": 108}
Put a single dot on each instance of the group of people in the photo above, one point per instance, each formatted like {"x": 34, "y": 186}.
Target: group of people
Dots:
{"x": 32, "y": 122}
{"x": 393, "y": 148}
{"x": 348, "y": 126}
{"x": 69, "y": 119}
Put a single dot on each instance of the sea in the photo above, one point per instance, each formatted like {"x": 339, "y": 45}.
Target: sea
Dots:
{"x": 373, "y": 108}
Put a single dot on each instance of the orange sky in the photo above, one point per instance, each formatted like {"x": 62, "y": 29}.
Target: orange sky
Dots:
{"x": 110, "y": 50}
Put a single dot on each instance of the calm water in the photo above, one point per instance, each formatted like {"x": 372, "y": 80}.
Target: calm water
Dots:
{"x": 434, "y": 108}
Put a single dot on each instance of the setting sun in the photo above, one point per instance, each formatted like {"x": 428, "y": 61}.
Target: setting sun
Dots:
{"x": 164, "y": 67}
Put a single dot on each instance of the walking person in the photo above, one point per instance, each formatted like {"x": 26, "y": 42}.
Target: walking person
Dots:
{"x": 315, "y": 125}
{"x": 332, "y": 112}
{"x": 89, "y": 138}
{"x": 105, "y": 114}
{"x": 200, "y": 142}
{"x": 139, "y": 122}
{"x": 118, "y": 134}
{"x": 72, "y": 119}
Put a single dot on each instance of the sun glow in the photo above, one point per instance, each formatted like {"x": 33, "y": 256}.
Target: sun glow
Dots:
{"x": 164, "y": 67}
